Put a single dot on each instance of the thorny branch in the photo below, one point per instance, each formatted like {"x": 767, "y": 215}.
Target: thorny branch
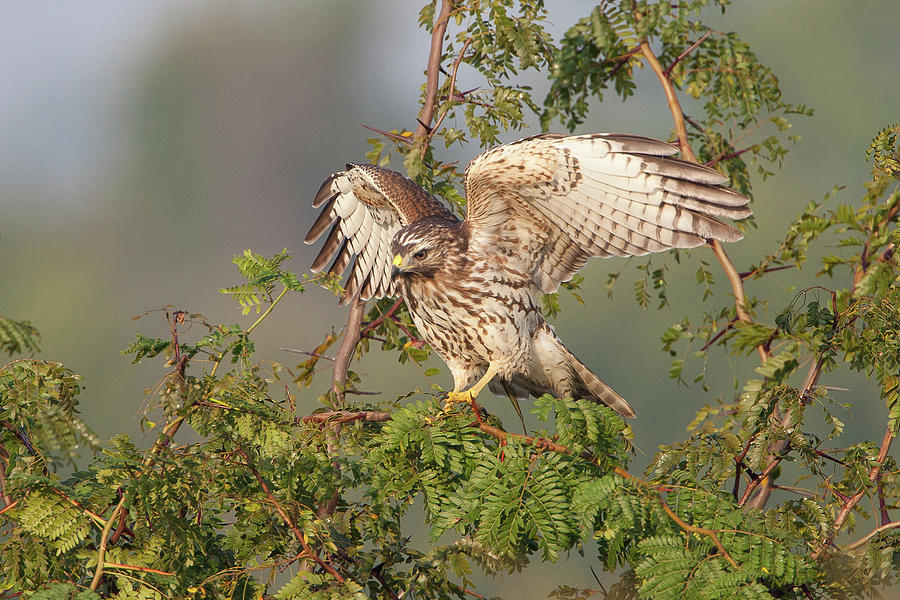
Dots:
{"x": 689, "y": 49}
{"x": 851, "y": 502}
{"x": 169, "y": 431}
{"x": 433, "y": 72}
{"x": 734, "y": 278}
{"x": 588, "y": 456}
{"x": 423, "y": 135}
{"x": 307, "y": 550}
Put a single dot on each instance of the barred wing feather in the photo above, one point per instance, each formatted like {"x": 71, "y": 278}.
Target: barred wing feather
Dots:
{"x": 364, "y": 207}
{"x": 593, "y": 195}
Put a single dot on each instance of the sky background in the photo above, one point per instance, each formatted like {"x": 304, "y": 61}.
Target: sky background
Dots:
{"x": 144, "y": 143}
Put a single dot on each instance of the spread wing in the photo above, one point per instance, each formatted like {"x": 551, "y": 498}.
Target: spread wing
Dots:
{"x": 365, "y": 206}
{"x": 559, "y": 200}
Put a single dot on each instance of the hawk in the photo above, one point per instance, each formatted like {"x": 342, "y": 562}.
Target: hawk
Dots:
{"x": 537, "y": 210}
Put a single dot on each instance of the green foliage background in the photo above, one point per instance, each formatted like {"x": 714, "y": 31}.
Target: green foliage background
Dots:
{"x": 220, "y": 516}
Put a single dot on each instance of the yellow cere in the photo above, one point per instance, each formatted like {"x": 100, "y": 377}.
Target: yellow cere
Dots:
{"x": 398, "y": 260}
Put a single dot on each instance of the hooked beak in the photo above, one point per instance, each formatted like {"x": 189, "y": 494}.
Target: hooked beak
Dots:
{"x": 397, "y": 263}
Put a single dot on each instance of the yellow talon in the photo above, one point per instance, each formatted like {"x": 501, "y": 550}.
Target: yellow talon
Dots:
{"x": 457, "y": 398}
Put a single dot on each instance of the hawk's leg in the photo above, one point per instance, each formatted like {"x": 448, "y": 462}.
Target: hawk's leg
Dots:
{"x": 470, "y": 394}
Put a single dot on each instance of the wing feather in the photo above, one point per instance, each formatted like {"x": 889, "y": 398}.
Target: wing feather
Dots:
{"x": 596, "y": 195}
{"x": 325, "y": 220}
{"x": 365, "y": 206}
{"x": 331, "y": 246}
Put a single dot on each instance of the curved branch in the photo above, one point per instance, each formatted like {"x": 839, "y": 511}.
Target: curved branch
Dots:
{"x": 541, "y": 443}
{"x": 734, "y": 278}
{"x": 452, "y": 93}
{"x": 865, "y": 539}
{"x": 301, "y": 537}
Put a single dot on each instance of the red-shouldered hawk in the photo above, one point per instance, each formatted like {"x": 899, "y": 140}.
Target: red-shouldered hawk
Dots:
{"x": 537, "y": 209}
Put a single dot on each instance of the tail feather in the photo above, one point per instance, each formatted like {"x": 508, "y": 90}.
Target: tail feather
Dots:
{"x": 555, "y": 370}
{"x": 593, "y": 388}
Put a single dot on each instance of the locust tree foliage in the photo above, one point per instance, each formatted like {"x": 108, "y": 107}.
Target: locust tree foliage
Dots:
{"x": 295, "y": 493}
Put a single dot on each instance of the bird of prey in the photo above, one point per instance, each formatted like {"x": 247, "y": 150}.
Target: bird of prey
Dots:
{"x": 537, "y": 209}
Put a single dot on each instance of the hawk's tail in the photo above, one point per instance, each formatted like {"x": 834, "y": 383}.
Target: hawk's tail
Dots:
{"x": 555, "y": 370}
{"x": 591, "y": 387}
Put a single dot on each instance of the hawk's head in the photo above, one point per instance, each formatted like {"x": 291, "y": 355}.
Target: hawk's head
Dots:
{"x": 424, "y": 247}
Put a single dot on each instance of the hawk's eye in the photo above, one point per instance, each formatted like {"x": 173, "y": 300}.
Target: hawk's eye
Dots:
{"x": 420, "y": 255}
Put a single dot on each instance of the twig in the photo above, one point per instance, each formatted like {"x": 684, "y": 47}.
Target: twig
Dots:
{"x": 690, "y": 49}
{"x": 269, "y": 310}
{"x": 851, "y": 502}
{"x": 388, "y": 134}
{"x": 310, "y": 553}
{"x": 433, "y": 70}
{"x": 387, "y": 315}
{"x": 757, "y": 271}
{"x": 737, "y": 286}
{"x": 739, "y": 464}
{"x": 6, "y": 498}
{"x": 306, "y": 353}
{"x": 347, "y": 347}
{"x": 136, "y": 568}
{"x": 379, "y": 576}
{"x": 104, "y": 538}
{"x": 863, "y": 540}
{"x": 9, "y": 506}
{"x": 456, "y": 64}
{"x": 710, "y": 533}
{"x": 730, "y": 155}
{"x": 780, "y": 449}
{"x": 716, "y": 337}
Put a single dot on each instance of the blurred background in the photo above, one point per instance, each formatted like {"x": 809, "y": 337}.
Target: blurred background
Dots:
{"x": 143, "y": 143}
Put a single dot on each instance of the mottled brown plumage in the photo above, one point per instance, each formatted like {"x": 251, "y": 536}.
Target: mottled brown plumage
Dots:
{"x": 537, "y": 210}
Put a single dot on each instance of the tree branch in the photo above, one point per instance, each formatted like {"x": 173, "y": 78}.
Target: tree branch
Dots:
{"x": 863, "y": 540}
{"x": 308, "y": 551}
{"x": 348, "y": 346}
{"x": 851, "y": 502}
{"x": 451, "y": 94}
{"x": 347, "y": 416}
{"x": 433, "y": 72}
{"x": 588, "y": 456}
{"x": 4, "y": 496}
{"x": 387, "y": 315}
{"x": 780, "y": 449}
{"x": 690, "y": 49}
{"x": 734, "y": 278}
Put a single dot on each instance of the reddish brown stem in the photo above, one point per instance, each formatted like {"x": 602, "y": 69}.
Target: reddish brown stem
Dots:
{"x": 734, "y": 278}
{"x": 387, "y": 315}
{"x": 690, "y": 49}
{"x": 434, "y": 66}
{"x": 451, "y": 94}
{"x": 851, "y": 502}
{"x": 347, "y": 416}
{"x": 348, "y": 346}
{"x": 307, "y": 550}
